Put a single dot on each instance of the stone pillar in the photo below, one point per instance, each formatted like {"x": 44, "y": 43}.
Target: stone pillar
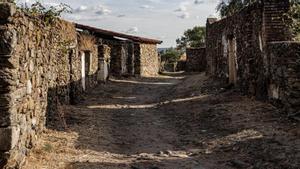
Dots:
{"x": 116, "y": 59}
{"x": 104, "y": 62}
{"x": 130, "y": 59}
{"x": 9, "y": 130}
{"x": 137, "y": 59}
{"x": 210, "y": 68}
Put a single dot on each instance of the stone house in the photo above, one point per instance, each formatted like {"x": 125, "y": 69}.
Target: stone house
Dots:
{"x": 252, "y": 49}
{"x": 131, "y": 55}
{"x": 45, "y": 65}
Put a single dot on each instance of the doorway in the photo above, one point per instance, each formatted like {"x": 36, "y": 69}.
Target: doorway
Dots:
{"x": 85, "y": 68}
{"x": 72, "y": 82}
{"x": 232, "y": 60}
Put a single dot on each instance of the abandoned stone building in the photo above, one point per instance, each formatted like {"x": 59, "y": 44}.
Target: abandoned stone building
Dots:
{"x": 130, "y": 55}
{"x": 253, "y": 49}
{"x": 44, "y": 66}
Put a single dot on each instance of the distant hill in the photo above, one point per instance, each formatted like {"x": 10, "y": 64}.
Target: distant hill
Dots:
{"x": 162, "y": 49}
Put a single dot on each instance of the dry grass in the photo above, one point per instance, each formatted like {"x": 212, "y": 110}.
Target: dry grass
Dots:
{"x": 68, "y": 29}
{"x": 86, "y": 42}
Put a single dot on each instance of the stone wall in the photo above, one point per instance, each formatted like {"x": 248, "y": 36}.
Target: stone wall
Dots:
{"x": 240, "y": 50}
{"x": 274, "y": 27}
{"x": 121, "y": 57}
{"x": 284, "y": 74}
{"x": 104, "y": 62}
{"x": 147, "y": 60}
{"x": 244, "y": 35}
{"x": 196, "y": 60}
{"x": 41, "y": 69}
{"x": 45, "y": 65}
{"x": 245, "y": 29}
{"x": 129, "y": 58}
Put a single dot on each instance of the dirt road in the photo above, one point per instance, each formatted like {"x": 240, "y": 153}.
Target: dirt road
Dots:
{"x": 169, "y": 122}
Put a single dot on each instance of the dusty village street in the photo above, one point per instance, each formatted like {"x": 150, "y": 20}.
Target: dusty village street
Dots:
{"x": 150, "y": 84}
{"x": 174, "y": 121}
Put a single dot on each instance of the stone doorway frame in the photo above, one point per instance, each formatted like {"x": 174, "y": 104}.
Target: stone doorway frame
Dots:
{"x": 232, "y": 60}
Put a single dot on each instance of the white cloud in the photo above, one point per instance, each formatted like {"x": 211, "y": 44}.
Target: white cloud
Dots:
{"x": 181, "y": 9}
{"x": 185, "y": 15}
{"x": 102, "y": 10}
{"x": 99, "y": 10}
{"x": 121, "y": 15}
{"x": 146, "y": 7}
{"x": 197, "y": 2}
{"x": 183, "y": 6}
{"x": 81, "y": 8}
{"x": 133, "y": 30}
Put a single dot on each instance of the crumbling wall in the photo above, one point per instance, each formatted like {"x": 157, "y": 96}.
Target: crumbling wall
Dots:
{"x": 240, "y": 50}
{"x": 284, "y": 68}
{"x": 40, "y": 70}
{"x": 148, "y": 60}
{"x": 248, "y": 31}
{"x": 245, "y": 28}
{"x": 196, "y": 60}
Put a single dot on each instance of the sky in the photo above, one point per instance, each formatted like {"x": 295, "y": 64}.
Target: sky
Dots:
{"x": 165, "y": 20}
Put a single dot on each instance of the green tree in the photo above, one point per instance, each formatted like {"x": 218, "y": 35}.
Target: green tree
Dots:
{"x": 171, "y": 55}
{"x": 229, "y": 7}
{"x": 169, "y": 59}
{"x": 194, "y": 37}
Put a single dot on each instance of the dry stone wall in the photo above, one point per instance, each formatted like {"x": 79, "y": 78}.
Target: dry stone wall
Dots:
{"x": 196, "y": 60}
{"x": 41, "y": 69}
{"x": 129, "y": 58}
{"x": 148, "y": 60}
{"x": 240, "y": 50}
{"x": 284, "y": 73}
{"x": 45, "y": 65}
{"x": 245, "y": 29}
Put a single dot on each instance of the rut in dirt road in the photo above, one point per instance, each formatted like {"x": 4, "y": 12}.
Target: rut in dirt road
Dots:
{"x": 169, "y": 122}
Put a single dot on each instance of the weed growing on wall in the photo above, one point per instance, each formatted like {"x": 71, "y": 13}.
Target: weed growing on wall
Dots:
{"x": 86, "y": 41}
{"x": 48, "y": 15}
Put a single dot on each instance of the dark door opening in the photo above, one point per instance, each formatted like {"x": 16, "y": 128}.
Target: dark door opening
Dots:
{"x": 72, "y": 82}
{"x": 87, "y": 65}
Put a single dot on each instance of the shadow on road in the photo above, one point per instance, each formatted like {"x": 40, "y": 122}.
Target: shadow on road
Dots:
{"x": 176, "y": 121}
